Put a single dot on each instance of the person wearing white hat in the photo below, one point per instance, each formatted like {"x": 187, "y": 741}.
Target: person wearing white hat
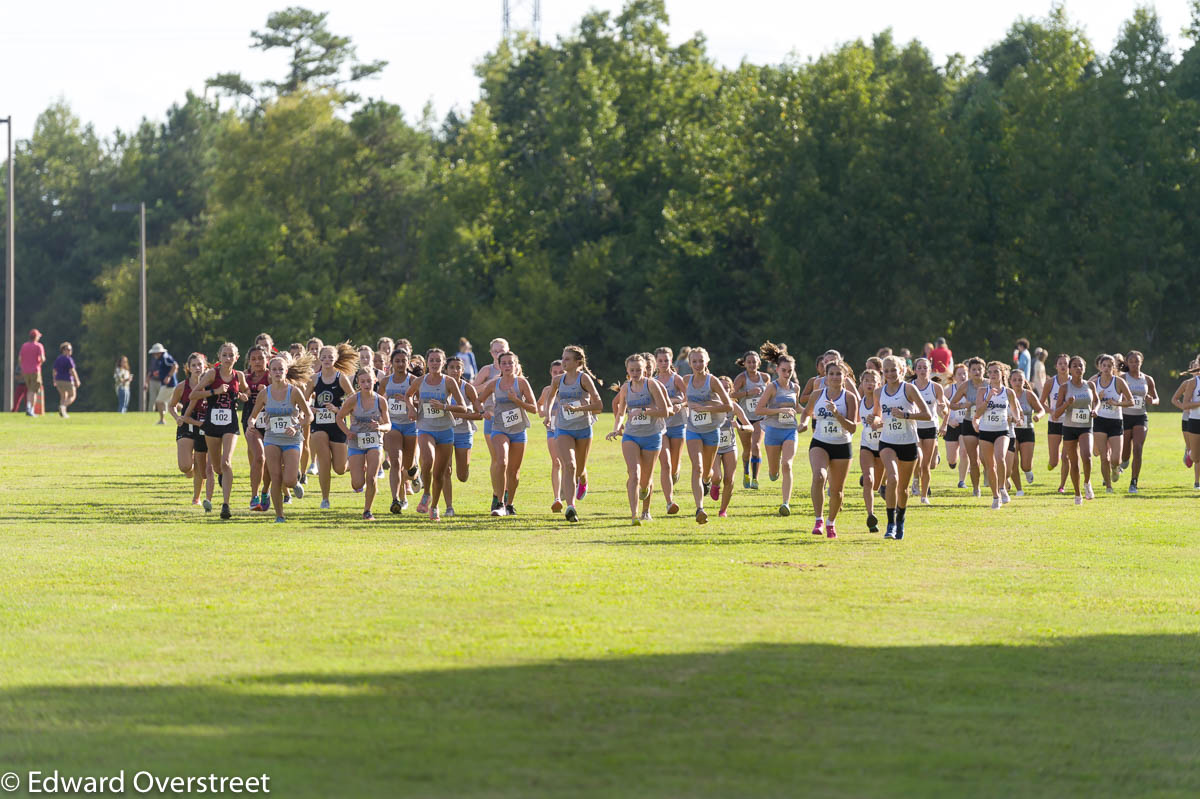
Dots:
{"x": 160, "y": 379}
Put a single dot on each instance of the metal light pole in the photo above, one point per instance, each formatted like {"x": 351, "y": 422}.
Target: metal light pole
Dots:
{"x": 9, "y": 284}
{"x": 142, "y": 346}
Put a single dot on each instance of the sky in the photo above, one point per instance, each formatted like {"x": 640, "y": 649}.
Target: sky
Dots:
{"x": 117, "y": 63}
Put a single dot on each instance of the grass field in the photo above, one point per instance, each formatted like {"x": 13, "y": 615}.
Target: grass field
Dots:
{"x": 1040, "y": 650}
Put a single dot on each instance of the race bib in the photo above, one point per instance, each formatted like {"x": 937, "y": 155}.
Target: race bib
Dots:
{"x": 638, "y": 417}
{"x": 260, "y": 421}
{"x": 895, "y": 425}
{"x": 221, "y": 416}
{"x": 701, "y": 417}
{"x": 787, "y": 416}
{"x": 995, "y": 417}
{"x": 750, "y": 404}
{"x": 1081, "y": 415}
{"x": 831, "y": 427}
{"x": 280, "y": 424}
{"x": 430, "y": 412}
{"x": 510, "y": 418}
{"x": 725, "y": 440}
{"x": 1139, "y": 402}
{"x": 873, "y": 436}
{"x": 397, "y": 408}
{"x": 570, "y": 411}
{"x": 1107, "y": 406}
{"x": 324, "y": 416}
{"x": 459, "y": 421}
{"x": 368, "y": 440}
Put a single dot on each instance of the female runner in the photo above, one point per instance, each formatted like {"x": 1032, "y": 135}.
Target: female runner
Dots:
{"x": 1020, "y": 454}
{"x": 779, "y": 408}
{"x": 191, "y": 448}
{"x": 727, "y": 450}
{"x": 1144, "y": 393}
{"x": 1108, "y": 430}
{"x": 400, "y": 440}
{"x": 747, "y": 388}
{"x": 257, "y": 379}
{"x": 965, "y": 399}
{"x": 996, "y": 406}
{"x": 898, "y": 405}
{"x": 364, "y": 435}
{"x": 286, "y": 412}
{"x": 1075, "y": 406}
{"x": 326, "y": 392}
{"x": 222, "y": 387}
{"x": 707, "y": 403}
{"x": 817, "y": 381}
{"x": 1187, "y": 399}
{"x": 640, "y": 423}
{"x": 1054, "y": 427}
{"x": 512, "y": 402}
{"x": 955, "y": 455}
{"x": 671, "y": 452}
{"x": 574, "y": 399}
{"x": 868, "y": 447}
{"x": 435, "y": 427}
{"x": 464, "y": 431}
{"x": 556, "y": 369}
{"x": 834, "y": 414}
{"x": 927, "y": 432}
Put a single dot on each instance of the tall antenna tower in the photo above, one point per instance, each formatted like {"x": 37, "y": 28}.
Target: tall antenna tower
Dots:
{"x": 523, "y": 16}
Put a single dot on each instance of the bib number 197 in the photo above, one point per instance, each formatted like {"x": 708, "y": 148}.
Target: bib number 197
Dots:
{"x": 279, "y": 425}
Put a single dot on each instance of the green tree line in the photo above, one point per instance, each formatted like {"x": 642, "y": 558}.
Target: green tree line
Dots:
{"x": 612, "y": 190}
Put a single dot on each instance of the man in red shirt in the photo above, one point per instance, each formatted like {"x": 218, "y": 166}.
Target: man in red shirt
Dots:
{"x": 942, "y": 360}
{"x": 33, "y": 355}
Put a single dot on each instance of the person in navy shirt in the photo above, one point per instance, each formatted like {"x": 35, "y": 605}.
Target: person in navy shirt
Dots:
{"x": 161, "y": 380}
{"x": 66, "y": 379}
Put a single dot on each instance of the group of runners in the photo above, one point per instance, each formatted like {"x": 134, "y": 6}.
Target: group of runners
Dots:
{"x": 319, "y": 409}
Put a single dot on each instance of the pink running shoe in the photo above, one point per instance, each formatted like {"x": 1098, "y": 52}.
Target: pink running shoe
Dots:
{"x": 423, "y": 505}
{"x": 723, "y": 515}
{"x": 581, "y": 491}
{"x": 830, "y": 532}
{"x": 817, "y": 528}
{"x": 715, "y": 492}
{"x": 1187, "y": 458}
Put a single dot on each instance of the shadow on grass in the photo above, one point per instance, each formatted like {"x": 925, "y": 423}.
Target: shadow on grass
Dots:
{"x": 1107, "y": 715}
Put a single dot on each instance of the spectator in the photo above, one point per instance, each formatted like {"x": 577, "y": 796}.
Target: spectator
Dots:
{"x": 66, "y": 379}
{"x": 1021, "y": 356}
{"x": 1039, "y": 370}
{"x": 942, "y": 360}
{"x": 928, "y": 348}
{"x": 907, "y": 356}
{"x": 681, "y": 361}
{"x": 33, "y": 355}
{"x": 161, "y": 380}
{"x": 122, "y": 377}
{"x": 467, "y": 356}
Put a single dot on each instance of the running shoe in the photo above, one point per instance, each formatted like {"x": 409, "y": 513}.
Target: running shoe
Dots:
{"x": 254, "y": 503}
{"x": 1108, "y": 489}
{"x": 672, "y": 509}
{"x": 715, "y": 492}
{"x": 784, "y": 510}
{"x": 701, "y": 516}
{"x": 395, "y": 508}
{"x": 962, "y": 483}
{"x": 646, "y": 517}
{"x": 434, "y": 516}
{"x": 774, "y": 478}
{"x": 265, "y": 501}
{"x": 925, "y": 501}
{"x": 899, "y": 531}
{"x": 883, "y": 491}
{"x": 1197, "y": 486}
{"x": 1078, "y": 500}
{"x": 872, "y": 523}
{"x": 914, "y": 491}
{"x": 279, "y": 520}
{"x": 386, "y": 466}
{"x": 423, "y": 505}
{"x": 556, "y": 506}
{"x": 416, "y": 481}
{"x": 509, "y": 510}
{"x": 449, "y": 511}
{"x": 891, "y": 530}
{"x": 830, "y": 531}
{"x": 1062, "y": 489}
{"x": 1088, "y": 493}
{"x": 207, "y": 505}
{"x": 581, "y": 491}
{"x": 572, "y": 514}
{"x": 1020, "y": 492}
{"x": 723, "y": 514}
{"x": 995, "y": 503}
{"x": 220, "y": 479}
{"x": 368, "y": 516}
{"x": 404, "y": 504}
{"x": 298, "y": 491}
{"x": 1029, "y": 477}
{"x": 754, "y": 484}
{"x": 675, "y": 478}
{"x": 975, "y": 492}
{"x": 226, "y": 513}
{"x": 1004, "y": 497}
{"x": 325, "y": 504}
{"x": 303, "y": 479}
{"x": 818, "y": 527}
{"x": 1187, "y": 458}
{"x": 196, "y": 501}
{"x": 1133, "y": 487}
{"x": 644, "y": 494}
{"x": 745, "y": 481}
{"x": 635, "y": 522}
{"x": 312, "y": 468}
{"x": 412, "y": 473}
{"x": 1124, "y": 465}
